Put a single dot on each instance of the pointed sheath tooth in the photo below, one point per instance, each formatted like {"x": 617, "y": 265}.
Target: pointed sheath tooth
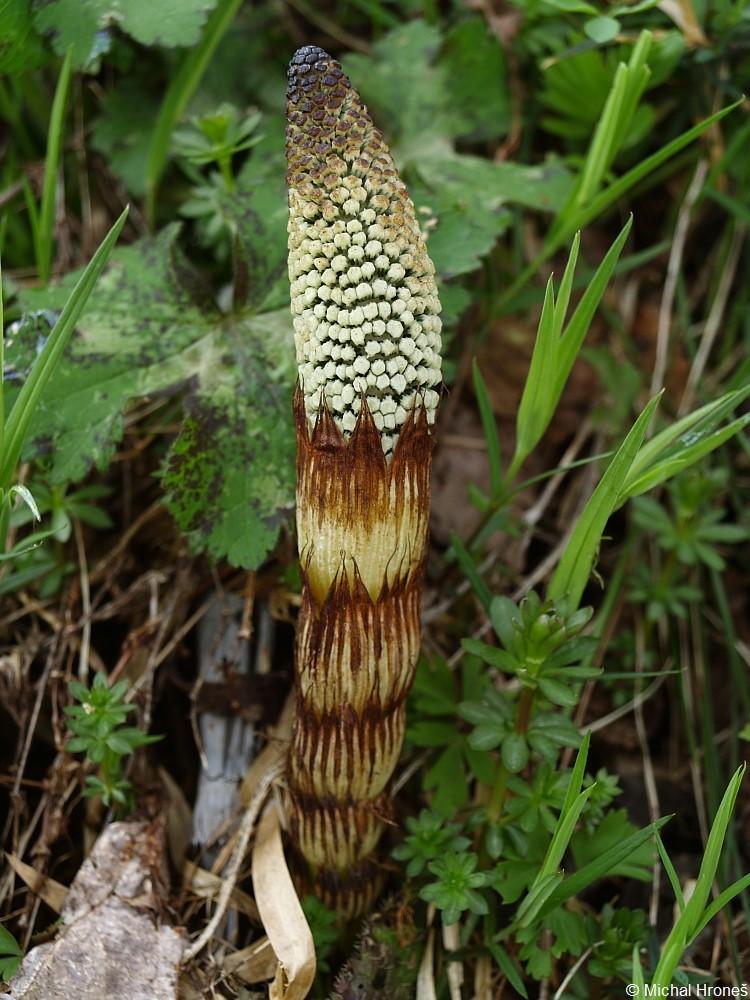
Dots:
{"x": 367, "y": 335}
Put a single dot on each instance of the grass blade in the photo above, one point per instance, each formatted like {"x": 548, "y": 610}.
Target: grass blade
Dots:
{"x": 576, "y": 775}
{"x": 44, "y": 229}
{"x": 604, "y": 864}
{"x": 464, "y": 560}
{"x": 563, "y": 832}
{"x": 577, "y": 328}
{"x": 692, "y": 917}
{"x": 537, "y": 406}
{"x": 32, "y": 389}
{"x": 601, "y": 202}
{"x": 2, "y": 364}
{"x": 698, "y": 422}
{"x": 571, "y": 576}
{"x": 669, "y": 868}
{"x": 722, "y": 900}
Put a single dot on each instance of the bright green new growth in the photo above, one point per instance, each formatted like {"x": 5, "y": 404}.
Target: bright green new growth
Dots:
{"x": 97, "y": 724}
{"x": 634, "y": 469}
{"x": 595, "y": 190}
{"x": 695, "y": 915}
{"x": 556, "y": 348}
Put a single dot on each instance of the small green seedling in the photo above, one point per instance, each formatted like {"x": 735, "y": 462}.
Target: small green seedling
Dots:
{"x": 97, "y": 724}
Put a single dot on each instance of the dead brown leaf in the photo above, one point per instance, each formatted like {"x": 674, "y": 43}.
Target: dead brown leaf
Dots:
{"x": 281, "y": 913}
{"x": 53, "y": 893}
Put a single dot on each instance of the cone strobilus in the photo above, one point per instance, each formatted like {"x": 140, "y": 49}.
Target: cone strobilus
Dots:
{"x": 367, "y": 335}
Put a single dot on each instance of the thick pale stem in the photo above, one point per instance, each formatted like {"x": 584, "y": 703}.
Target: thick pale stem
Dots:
{"x": 367, "y": 334}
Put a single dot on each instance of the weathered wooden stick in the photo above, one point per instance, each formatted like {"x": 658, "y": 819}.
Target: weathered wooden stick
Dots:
{"x": 367, "y": 334}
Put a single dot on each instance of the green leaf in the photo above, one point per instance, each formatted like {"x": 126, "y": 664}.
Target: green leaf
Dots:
{"x": 613, "y": 829}
{"x": 10, "y": 955}
{"x": 123, "y": 132}
{"x": 77, "y": 744}
{"x": 602, "y": 29}
{"x": 44, "y": 222}
{"x": 692, "y": 918}
{"x": 462, "y": 202}
{"x": 603, "y": 864}
{"x": 557, "y": 692}
{"x": 37, "y": 388}
{"x": 407, "y": 93}
{"x": 684, "y": 442}
{"x": 229, "y": 475}
{"x": 572, "y": 574}
{"x": 556, "y": 349}
{"x": 78, "y": 23}
{"x": 505, "y": 963}
{"x": 182, "y": 86}
{"x": 470, "y": 571}
{"x": 515, "y": 752}
{"x": 447, "y": 777}
{"x": 475, "y": 64}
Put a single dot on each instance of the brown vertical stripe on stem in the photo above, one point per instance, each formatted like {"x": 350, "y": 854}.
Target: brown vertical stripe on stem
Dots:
{"x": 367, "y": 331}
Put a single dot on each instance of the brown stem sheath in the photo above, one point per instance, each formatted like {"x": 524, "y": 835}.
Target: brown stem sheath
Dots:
{"x": 367, "y": 333}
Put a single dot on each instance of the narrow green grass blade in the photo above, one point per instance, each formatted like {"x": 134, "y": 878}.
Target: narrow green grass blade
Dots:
{"x": 563, "y": 832}
{"x": 576, "y": 775}
{"x": 537, "y": 404}
{"x": 181, "y": 89}
{"x": 489, "y": 426}
{"x": 705, "y": 418}
{"x": 669, "y": 868}
{"x": 578, "y": 327}
{"x": 600, "y": 151}
{"x": 687, "y": 456}
{"x": 46, "y": 219}
{"x": 566, "y": 286}
{"x": 722, "y": 900}
{"x": 505, "y": 964}
{"x": 604, "y": 864}
{"x": 539, "y": 893}
{"x": 601, "y": 202}
{"x": 33, "y": 213}
{"x": 44, "y": 366}
{"x": 638, "y": 77}
{"x": 636, "y": 975}
{"x": 573, "y": 571}
{"x": 2, "y": 365}
{"x": 464, "y": 560}
{"x": 691, "y": 919}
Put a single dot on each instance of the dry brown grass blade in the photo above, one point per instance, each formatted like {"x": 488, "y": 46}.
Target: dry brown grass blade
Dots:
{"x": 281, "y": 913}
{"x": 254, "y": 964}
{"x": 208, "y": 886}
{"x": 51, "y": 892}
{"x": 229, "y": 881}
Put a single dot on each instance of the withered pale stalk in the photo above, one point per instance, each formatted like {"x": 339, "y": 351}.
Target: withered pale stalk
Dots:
{"x": 367, "y": 334}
